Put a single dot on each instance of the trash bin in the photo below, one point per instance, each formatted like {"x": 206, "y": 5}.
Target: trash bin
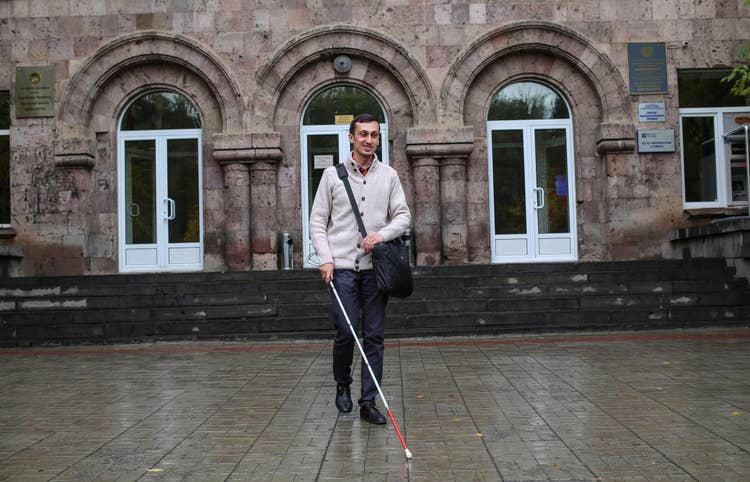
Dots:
{"x": 406, "y": 238}
{"x": 287, "y": 246}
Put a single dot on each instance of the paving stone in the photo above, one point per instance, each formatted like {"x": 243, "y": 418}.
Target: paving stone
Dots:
{"x": 617, "y": 406}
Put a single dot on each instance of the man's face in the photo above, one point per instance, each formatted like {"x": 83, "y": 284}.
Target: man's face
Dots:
{"x": 365, "y": 140}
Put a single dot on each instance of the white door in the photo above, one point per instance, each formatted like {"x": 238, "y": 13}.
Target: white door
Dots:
{"x": 324, "y": 146}
{"x": 532, "y": 191}
{"x": 160, "y": 200}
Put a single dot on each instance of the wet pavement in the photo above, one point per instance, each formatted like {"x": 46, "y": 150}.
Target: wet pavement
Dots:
{"x": 668, "y": 405}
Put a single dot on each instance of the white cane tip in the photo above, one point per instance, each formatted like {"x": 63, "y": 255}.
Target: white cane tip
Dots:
{"x": 408, "y": 453}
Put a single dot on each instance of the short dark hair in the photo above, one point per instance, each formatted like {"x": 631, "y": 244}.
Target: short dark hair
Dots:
{"x": 363, "y": 119}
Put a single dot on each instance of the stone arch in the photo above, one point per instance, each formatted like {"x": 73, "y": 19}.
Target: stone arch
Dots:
{"x": 312, "y": 80}
{"x": 586, "y": 113}
{"x": 537, "y": 37}
{"x": 130, "y": 53}
{"x": 323, "y": 44}
{"x": 304, "y": 66}
{"x": 589, "y": 82}
{"x": 309, "y": 79}
{"x": 128, "y": 66}
{"x": 125, "y": 86}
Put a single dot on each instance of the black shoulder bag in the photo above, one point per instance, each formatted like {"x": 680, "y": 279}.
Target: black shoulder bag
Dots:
{"x": 390, "y": 259}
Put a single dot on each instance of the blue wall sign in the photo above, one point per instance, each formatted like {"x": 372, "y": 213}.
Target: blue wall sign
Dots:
{"x": 652, "y": 112}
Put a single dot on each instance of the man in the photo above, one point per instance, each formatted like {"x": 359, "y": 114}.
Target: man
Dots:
{"x": 346, "y": 257}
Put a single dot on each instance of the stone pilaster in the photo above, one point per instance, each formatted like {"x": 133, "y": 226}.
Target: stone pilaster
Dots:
{"x": 427, "y": 236}
{"x": 438, "y": 156}
{"x": 453, "y": 210}
{"x": 263, "y": 225}
{"x": 250, "y": 170}
{"x": 237, "y": 216}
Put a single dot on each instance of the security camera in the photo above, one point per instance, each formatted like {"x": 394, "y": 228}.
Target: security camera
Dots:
{"x": 684, "y": 44}
{"x": 342, "y": 64}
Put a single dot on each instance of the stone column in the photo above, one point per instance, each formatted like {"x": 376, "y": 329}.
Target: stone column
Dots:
{"x": 427, "y": 238}
{"x": 237, "y": 216}
{"x": 438, "y": 156}
{"x": 250, "y": 165}
{"x": 263, "y": 226}
{"x": 453, "y": 210}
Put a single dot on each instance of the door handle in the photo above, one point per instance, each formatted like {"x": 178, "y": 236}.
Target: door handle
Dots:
{"x": 171, "y": 209}
{"x": 539, "y": 195}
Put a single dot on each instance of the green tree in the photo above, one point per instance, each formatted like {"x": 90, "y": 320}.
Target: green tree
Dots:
{"x": 740, "y": 75}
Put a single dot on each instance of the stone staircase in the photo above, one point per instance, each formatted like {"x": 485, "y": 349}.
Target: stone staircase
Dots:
{"x": 461, "y": 300}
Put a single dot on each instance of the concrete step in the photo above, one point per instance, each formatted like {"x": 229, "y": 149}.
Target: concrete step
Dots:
{"x": 446, "y": 300}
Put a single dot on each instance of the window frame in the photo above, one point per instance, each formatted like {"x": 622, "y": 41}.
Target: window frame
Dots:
{"x": 6, "y": 132}
{"x": 161, "y": 137}
{"x": 723, "y": 168}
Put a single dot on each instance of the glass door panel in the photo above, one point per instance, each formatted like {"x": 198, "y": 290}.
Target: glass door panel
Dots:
{"x": 4, "y": 178}
{"x": 140, "y": 192}
{"x": 552, "y": 201}
{"x": 699, "y": 158}
{"x": 322, "y": 151}
{"x": 510, "y": 238}
{"x": 183, "y": 191}
{"x": 509, "y": 182}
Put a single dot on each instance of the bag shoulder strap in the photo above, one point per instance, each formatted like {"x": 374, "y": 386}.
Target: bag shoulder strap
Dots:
{"x": 344, "y": 176}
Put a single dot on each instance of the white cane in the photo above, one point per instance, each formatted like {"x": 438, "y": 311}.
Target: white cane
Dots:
{"x": 407, "y": 452}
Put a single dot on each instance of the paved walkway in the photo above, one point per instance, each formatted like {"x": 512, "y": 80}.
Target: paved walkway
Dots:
{"x": 617, "y": 406}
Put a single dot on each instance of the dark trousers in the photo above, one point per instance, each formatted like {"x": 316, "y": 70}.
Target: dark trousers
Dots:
{"x": 365, "y": 306}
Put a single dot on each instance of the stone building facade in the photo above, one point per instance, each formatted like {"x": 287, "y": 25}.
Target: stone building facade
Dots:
{"x": 252, "y": 68}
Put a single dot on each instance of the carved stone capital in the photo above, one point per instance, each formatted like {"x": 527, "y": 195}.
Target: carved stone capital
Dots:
{"x": 75, "y": 153}
{"x": 247, "y": 147}
{"x": 614, "y": 137}
{"x": 439, "y": 142}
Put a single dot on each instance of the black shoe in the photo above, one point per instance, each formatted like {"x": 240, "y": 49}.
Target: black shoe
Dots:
{"x": 369, "y": 412}
{"x": 343, "y": 398}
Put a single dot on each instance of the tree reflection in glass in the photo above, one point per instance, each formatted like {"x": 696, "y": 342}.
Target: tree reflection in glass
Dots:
{"x": 341, "y": 100}
{"x": 508, "y": 182}
{"x": 140, "y": 191}
{"x": 183, "y": 185}
{"x": 161, "y": 110}
{"x": 526, "y": 101}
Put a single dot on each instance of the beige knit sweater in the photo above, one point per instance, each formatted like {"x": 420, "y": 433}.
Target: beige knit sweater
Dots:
{"x": 333, "y": 227}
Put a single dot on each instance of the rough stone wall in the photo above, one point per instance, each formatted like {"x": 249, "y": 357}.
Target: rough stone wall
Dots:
{"x": 66, "y": 218}
{"x": 55, "y": 216}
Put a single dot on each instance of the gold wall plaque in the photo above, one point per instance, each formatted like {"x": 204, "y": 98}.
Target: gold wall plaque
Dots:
{"x": 35, "y": 91}
{"x": 344, "y": 119}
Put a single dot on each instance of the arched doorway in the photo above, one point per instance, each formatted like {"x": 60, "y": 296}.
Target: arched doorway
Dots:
{"x": 160, "y": 215}
{"x": 531, "y": 174}
{"x": 325, "y": 142}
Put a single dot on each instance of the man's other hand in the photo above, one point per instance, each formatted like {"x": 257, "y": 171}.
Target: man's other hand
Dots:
{"x": 370, "y": 241}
